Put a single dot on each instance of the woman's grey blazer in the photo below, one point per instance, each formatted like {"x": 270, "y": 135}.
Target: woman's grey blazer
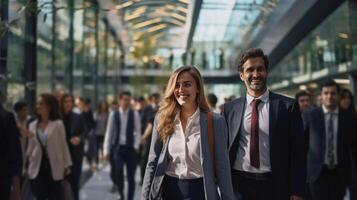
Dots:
{"x": 158, "y": 160}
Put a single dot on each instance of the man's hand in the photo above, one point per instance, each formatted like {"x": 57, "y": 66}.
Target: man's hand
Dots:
{"x": 106, "y": 157}
{"x": 67, "y": 171}
{"x": 15, "y": 194}
{"x": 24, "y": 131}
{"x": 296, "y": 198}
{"x": 142, "y": 140}
{"x": 16, "y": 191}
{"x": 75, "y": 140}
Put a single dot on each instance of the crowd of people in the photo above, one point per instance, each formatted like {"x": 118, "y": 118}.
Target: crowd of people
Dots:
{"x": 261, "y": 146}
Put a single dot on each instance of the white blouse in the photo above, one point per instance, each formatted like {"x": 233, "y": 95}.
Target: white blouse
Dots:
{"x": 184, "y": 149}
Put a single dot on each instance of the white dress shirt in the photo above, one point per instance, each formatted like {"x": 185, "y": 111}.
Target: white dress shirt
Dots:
{"x": 242, "y": 162}
{"x": 123, "y": 125}
{"x": 327, "y": 115}
{"x": 184, "y": 149}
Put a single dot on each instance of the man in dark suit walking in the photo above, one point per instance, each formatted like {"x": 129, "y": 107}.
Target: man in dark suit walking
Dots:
{"x": 329, "y": 129}
{"x": 10, "y": 155}
{"x": 266, "y": 140}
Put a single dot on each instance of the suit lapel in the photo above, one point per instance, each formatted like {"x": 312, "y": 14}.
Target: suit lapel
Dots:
{"x": 273, "y": 115}
{"x": 204, "y": 132}
{"x": 320, "y": 119}
{"x": 238, "y": 118}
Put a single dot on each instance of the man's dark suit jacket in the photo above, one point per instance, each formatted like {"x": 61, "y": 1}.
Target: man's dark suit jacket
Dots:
{"x": 287, "y": 143}
{"x": 10, "y": 151}
{"x": 314, "y": 125}
{"x": 77, "y": 129}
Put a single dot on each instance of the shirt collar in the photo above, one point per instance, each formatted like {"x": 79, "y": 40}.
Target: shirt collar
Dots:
{"x": 123, "y": 111}
{"x": 194, "y": 116}
{"x": 264, "y": 97}
{"x": 336, "y": 111}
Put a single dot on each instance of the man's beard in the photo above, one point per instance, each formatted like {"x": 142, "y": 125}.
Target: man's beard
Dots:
{"x": 261, "y": 87}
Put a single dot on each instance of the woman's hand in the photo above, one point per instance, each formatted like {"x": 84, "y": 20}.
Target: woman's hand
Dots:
{"x": 75, "y": 140}
{"x": 67, "y": 171}
{"x": 24, "y": 131}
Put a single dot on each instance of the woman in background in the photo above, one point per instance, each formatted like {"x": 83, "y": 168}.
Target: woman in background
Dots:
{"x": 347, "y": 103}
{"x": 48, "y": 153}
{"x": 101, "y": 119}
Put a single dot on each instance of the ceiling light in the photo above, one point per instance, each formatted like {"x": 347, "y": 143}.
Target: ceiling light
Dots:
{"x": 157, "y": 27}
{"x": 182, "y": 9}
{"x": 177, "y": 16}
{"x": 343, "y": 35}
{"x": 184, "y": 1}
{"x": 142, "y": 24}
{"x": 342, "y": 81}
{"x": 124, "y": 5}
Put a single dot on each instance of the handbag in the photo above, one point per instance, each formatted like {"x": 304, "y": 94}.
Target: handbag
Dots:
{"x": 66, "y": 190}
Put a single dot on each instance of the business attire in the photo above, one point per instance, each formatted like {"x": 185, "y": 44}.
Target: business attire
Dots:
{"x": 122, "y": 141}
{"x": 49, "y": 156}
{"x": 329, "y": 154}
{"x": 267, "y": 147}
{"x": 10, "y": 152}
{"x": 101, "y": 121}
{"x": 181, "y": 167}
{"x": 75, "y": 127}
{"x": 147, "y": 117}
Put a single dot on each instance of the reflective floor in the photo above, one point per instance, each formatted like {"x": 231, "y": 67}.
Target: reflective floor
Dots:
{"x": 98, "y": 187}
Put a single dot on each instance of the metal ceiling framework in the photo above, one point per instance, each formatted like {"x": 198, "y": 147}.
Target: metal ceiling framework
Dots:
{"x": 152, "y": 18}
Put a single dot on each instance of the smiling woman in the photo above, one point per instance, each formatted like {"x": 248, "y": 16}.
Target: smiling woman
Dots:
{"x": 180, "y": 145}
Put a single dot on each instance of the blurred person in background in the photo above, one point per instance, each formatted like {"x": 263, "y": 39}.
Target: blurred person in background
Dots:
{"x": 330, "y": 129}
{"x": 10, "y": 155}
{"x": 101, "y": 120}
{"x": 49, "y": 156}
{"x": 122, "y": 142}
{"x": 75, "y": 131}
{"x": 147, "y": 122}
{"x": 304, "y": 100}
{"x": 113, "y": 106}
{"x": 84, "y": 106}
{"x": 22, "y": 116}
{"x": 212, "y": 101}
{"x": 347, "y": 103}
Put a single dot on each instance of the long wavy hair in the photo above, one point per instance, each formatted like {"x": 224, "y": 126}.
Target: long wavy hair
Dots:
{"x": 169, "y": 106}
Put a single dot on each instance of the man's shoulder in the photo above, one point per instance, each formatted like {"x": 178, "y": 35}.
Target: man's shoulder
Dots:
{"x": 313, "y": 111}
{"x": 5, "y": 115}
{"x": 281, "y": 97}
{"x": 234, "y": 102}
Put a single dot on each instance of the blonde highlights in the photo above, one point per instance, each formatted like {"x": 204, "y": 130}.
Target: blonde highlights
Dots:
{"x": 169, "y": 106}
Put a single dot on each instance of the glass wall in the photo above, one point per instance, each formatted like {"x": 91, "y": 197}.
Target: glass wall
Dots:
{"x": 327, "y": 50}
{"x": 53, "y": 22}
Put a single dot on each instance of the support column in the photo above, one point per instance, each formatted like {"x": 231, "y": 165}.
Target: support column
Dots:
{"x": 70, "y": 46}
{"x": 53, "y": 47}
{"x": 96, "y": 61}
{"x": 31, "y": 54}
{"x": 105, "y": 62}
{"x": 4, "y": 16}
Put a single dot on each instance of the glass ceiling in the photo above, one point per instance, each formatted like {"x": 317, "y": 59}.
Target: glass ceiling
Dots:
{"x": 222, "y": 25}
{"x": 222, "y": 21}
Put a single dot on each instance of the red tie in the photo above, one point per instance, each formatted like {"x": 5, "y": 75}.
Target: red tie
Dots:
{"x": 254, "y": 135}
